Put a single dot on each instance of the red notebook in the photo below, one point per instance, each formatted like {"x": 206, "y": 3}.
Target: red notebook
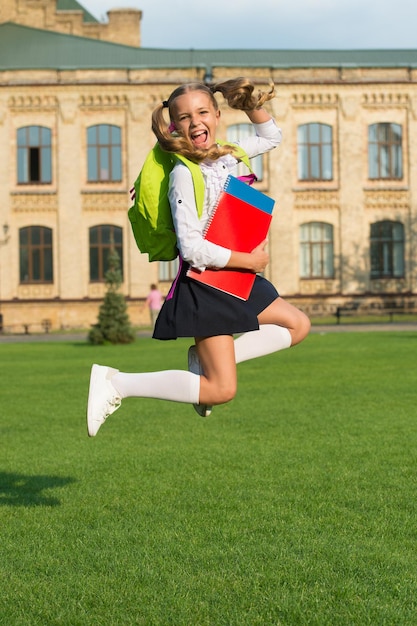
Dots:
{"x": 240, "y": 222}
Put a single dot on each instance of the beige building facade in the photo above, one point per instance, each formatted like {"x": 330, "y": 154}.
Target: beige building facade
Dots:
{"x": 75, "y": 110}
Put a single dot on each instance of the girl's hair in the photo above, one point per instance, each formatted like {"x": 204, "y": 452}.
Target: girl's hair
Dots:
{"x": 238, "y": 93}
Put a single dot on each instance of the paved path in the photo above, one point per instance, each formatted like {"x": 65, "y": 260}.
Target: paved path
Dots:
{"x": 333, "y": 328}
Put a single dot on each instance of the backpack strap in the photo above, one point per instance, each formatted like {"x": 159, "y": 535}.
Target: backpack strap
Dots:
{"x": 198, "y": 182}
{"x": 198, "y": 179}
{"x": 239, "y": 153}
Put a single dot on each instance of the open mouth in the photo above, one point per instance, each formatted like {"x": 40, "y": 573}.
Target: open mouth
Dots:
{"x": 200, "y": 137}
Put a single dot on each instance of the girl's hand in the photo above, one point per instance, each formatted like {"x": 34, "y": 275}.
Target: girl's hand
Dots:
{"x": 259, "y": 257}
{"x": 255, "y": 261}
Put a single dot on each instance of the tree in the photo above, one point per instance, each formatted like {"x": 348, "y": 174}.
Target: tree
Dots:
{"x": 113, "y": 325}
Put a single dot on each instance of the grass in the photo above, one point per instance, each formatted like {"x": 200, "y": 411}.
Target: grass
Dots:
{"x": 294, "y": 504}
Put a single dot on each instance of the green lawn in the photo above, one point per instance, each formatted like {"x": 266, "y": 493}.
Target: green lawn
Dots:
{"x": 294, "y": 504}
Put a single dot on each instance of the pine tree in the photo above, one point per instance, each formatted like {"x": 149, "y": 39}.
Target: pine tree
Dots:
{"x": 113, "y": 324}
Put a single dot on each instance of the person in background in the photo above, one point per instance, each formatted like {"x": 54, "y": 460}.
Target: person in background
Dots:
{"x": 154, "y": 301}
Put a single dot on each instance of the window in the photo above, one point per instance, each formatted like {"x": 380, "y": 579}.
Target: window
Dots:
{"x": 385, "y": 151}
{"x": 235, "y": 134}
{"x": 315, "y": 152}
{"x": 104, "y": 153}
{"x": 387, "y": 250}
{"x": 168, "y": 270}
{"x": 35, "y": 251}
{"x": 34, "y": 155}
{"x": 316, "y": 250}
{"x": 103, "y": 239}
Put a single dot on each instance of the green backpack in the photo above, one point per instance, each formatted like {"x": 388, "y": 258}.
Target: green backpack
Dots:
{"x": 150, "y": 215}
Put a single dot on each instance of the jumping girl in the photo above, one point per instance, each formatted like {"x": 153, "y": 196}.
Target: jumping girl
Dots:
{"x": 265, "y": 322}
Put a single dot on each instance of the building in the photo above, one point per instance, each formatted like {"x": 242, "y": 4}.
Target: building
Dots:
{"x": 76, "y": 98}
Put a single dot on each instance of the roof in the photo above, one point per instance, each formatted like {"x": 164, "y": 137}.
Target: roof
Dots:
{"x": 25, "y": 48}
{"x": 73, "y": 5}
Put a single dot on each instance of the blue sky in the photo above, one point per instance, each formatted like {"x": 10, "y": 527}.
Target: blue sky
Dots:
{"x": 295, "y": 24}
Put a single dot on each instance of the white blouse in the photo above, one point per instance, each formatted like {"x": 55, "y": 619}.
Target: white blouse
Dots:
{"x": 189, "y": 227}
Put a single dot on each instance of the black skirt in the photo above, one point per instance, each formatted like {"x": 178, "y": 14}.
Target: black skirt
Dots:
{"x": 192, "y": 309}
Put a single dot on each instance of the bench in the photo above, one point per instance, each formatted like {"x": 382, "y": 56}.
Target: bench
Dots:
{"x": 354, "y": 309}
{"x": 395, "y": 311}
{"x": 45, "y": 325}
{"x": 350, "y": 308}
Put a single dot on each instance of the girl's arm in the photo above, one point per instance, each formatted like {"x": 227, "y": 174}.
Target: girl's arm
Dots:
{"x": 258, "y": 116}
{"x": 255, "y": 261}
{"x": 194, "y": 249}
{"x": 267, "y": 134}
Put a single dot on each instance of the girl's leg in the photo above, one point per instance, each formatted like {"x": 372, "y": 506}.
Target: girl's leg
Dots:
{"x": 108, "y": 387}
{"x": 281, "y": 326}
{"x": 174, "y": 385}
{"x": 213, "y": 347}
{"x": 282, "y": 313}
{"x": 218, "y": 384}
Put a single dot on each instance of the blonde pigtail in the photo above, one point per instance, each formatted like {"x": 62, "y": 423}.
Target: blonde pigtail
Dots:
{"x": 238, "y": 93}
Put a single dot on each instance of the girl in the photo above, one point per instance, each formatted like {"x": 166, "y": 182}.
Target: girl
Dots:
{"x": 265, "y": 322}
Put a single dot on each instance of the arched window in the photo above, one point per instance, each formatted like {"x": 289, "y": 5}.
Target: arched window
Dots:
{"x": 316, "y": 250}
{"x": 385, "y": 151}
{"x": 235, "y": 134}
{"x": 104, "y": 153}
{"x": 35, "y": 252}
{"x": 103, "y": 239}
{"x": 387, "y": 249}
{"x": 315, "y": 152}
{"x": 34, "y": 155}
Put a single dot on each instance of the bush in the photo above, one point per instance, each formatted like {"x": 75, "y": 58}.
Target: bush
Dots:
{"x": 113, "y": 325}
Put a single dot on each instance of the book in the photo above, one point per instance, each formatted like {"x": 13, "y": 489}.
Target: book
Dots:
{"x": 240, "y": 222}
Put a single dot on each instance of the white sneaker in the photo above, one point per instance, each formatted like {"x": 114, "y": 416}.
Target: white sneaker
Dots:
{"x": 194, "y": 366}
{"x": 103, "y": 399}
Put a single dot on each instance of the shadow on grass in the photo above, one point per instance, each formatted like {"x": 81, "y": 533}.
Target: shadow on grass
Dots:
{"x": 20, "y": 490}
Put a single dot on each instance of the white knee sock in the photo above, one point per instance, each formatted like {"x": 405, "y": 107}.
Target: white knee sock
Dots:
{"x": 269, "y": 338}
{"x": 175, "y": 385}
{"x": 183, "y": 386}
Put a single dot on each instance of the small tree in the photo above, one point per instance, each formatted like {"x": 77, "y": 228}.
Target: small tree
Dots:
{"x": 113, "y": 324}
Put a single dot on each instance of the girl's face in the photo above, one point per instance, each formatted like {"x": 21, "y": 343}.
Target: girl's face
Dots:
{"x": 195, "y": 117}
